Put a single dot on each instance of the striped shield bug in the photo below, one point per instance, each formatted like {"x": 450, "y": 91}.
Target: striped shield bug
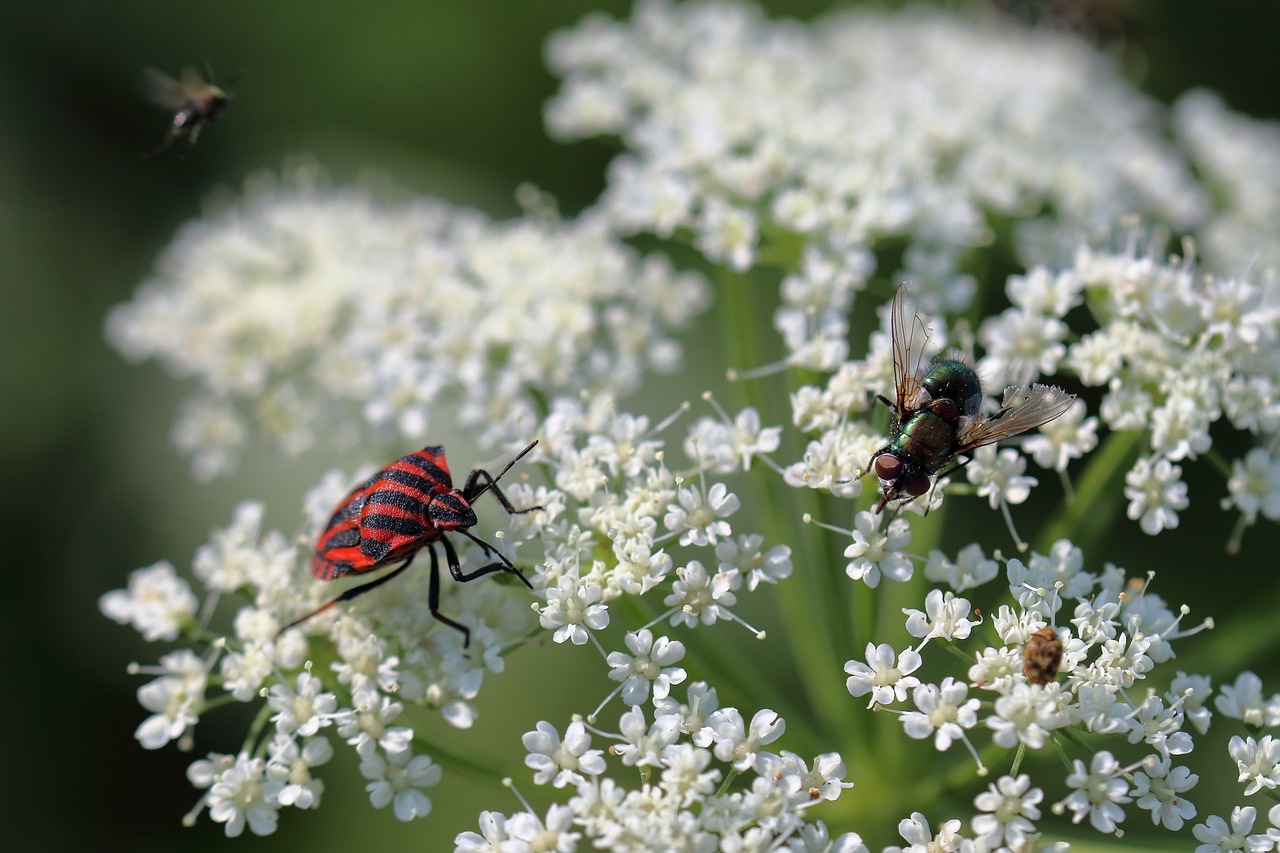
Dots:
{"x": 407, "y": 506}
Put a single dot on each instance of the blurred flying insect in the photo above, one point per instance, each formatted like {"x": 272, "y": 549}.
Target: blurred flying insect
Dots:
{"x": 193, "y": 98}
{"x": 936, "y": 425}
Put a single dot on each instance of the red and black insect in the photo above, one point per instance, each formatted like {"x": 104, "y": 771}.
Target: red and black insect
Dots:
{"x": 407, "y": 506}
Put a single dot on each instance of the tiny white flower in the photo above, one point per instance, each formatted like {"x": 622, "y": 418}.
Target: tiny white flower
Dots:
{"x": 1254, "y": 486}
{"x": 1021, "y": 345}
{"x": 397, "y": 779}
{"x": 999, "y": 476}
{"x": 1156, "y": 492}
{"x": 642, "y": 744}
{"x": 697, "y": 596}
{"x": 303, "y": 711}
{"x": 493, "y": 833}
{"x": 1125, "y": 406}
{"x": 1099, "y": 792}
{"x": 529, "y": 832}
{"x": 945, "y": 711}
{"x": 157, "y": 602}
{"x": 1158, "y": 788}
{"x": 1154, "y": 724}
{"x": 1243, "y": 700}
{"x": 1026, "y": 715}
{"x": 996, "y": 668}
{"x": 834, "y": 461}
{"x": 725, "y": 447}
{"x": 739, "y": 743}
{"x": 1180, "y": 428}
{"x": 685, "y": 775}
{"x": 816, "y": 838}
{"x": 291, "y": 765}
{"x": 573, "y": 608}
{"x": 176, "y": 699}
{"x": 756, "y": 566}
{"x": 649, "y": 666}
{"x": 944, "y": 617}
{"x": 241, "y": 795}
{"x": 1258, "y": 762}
{"x": 1217, "y": 836}
{"x": 699, "y": 516}
{"x": 970, "y": 569}
{"x": 874, "y": 553}
{"x": 916, "y": 831}
{"x": 886, "y": 675}
{"x": 824, "y": 781}
{"x": 369, "y": 723}
{"x": 694, "y": 714}
{"x": 1123, "y": 660}
{"x": 1194, "y": 690}
{"x": 561, "y": 762}
{"x": 1007, "y": 811}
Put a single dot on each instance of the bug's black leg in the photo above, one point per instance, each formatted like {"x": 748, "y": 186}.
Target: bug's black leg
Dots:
{"x": 470, "y": 492}
{"x": 890, "y": 404}
{"x": 433, "y": 589}
{"x": 474, "y": 488}
{"x": 352, "y": 593}
{"x": 455, "y": 567}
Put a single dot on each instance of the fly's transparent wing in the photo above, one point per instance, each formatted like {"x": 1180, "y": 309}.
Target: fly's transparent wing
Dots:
{"x": 1024, "y": 408}
{"x": 193, "y": 81}
{"x": 163, "y": 90}
{"x": 910, "y": 339}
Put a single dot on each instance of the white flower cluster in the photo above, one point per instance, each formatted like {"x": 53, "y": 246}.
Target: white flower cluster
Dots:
{"x": 389, "y": 652}
{"x": 1072, "y": 658}
{"x": 775, "y": 141}
{"x": 388, "y": 655}
{"x": 1239, "y": 159}
{"x": 1176, "y": 351}
{"x": 1180, "y": 352}
{"x": 306, "y": 304}
{"x": 618, "y": 512}
{"x": 695, "y": 750}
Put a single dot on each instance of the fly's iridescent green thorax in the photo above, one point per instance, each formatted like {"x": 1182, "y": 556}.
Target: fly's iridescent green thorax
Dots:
{"x": 957, "y": 381}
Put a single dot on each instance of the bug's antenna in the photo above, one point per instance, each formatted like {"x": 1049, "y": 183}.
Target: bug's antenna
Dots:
{"x": 494, "y": 480}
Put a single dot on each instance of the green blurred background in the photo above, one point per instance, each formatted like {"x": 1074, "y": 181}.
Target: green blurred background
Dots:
{"x": 442, "y": 98}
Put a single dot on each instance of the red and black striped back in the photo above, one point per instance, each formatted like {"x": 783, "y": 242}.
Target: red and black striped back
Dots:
{"x": 385, "y": 518}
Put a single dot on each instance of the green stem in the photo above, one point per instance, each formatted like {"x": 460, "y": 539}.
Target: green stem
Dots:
{"x": 1086, "y": 519}
{"x": 809, "y": 605}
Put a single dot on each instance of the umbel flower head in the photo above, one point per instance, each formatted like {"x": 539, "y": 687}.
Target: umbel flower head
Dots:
{"x": 306, "y": 304}
{"x": 829, "y": 160}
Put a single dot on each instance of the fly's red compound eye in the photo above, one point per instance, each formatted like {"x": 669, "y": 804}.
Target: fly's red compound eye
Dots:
{"x": 887, "y": 466}
{"x": 916, "y": 484}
